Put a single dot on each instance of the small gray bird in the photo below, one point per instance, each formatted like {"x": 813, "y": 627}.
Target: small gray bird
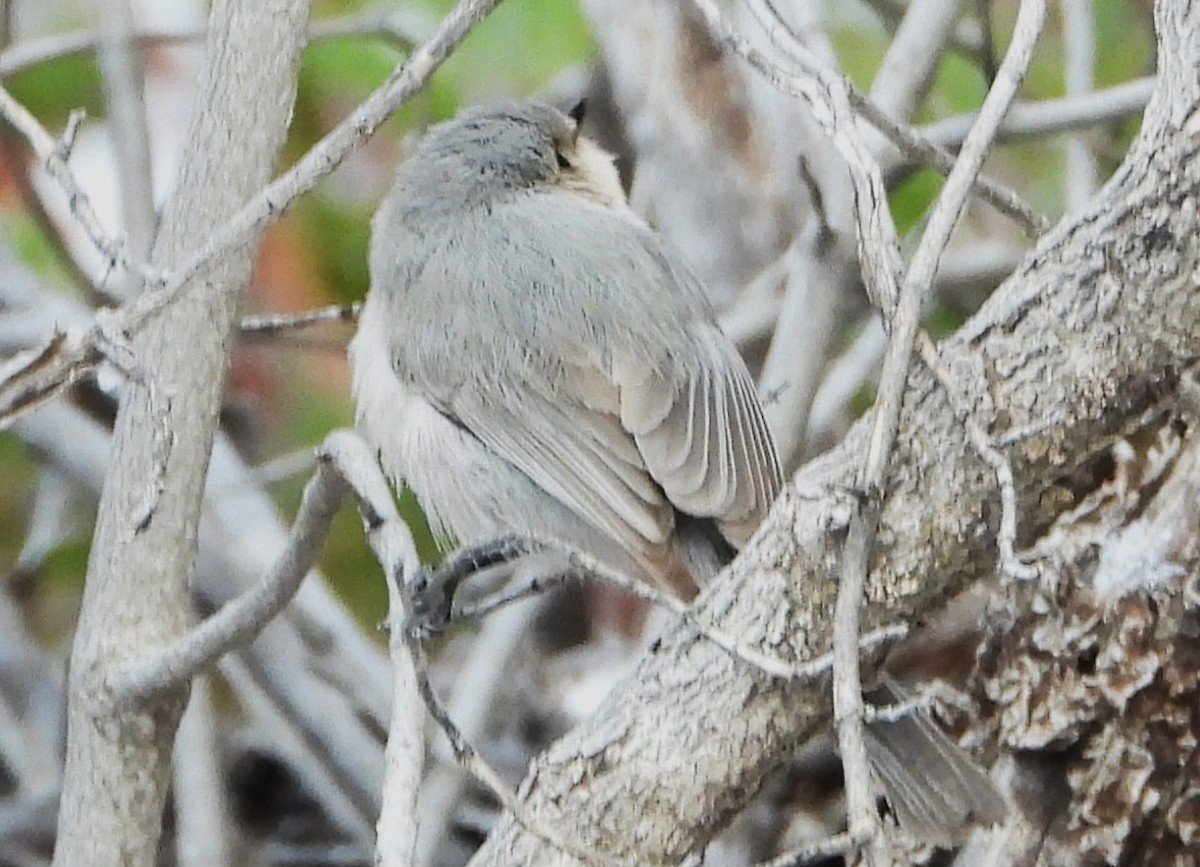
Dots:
{"x": 533, "y": 359}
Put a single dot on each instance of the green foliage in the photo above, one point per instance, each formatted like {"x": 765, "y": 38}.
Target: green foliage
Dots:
{"x": 34, "y": 248}
{"x": 519, "y": 48}
{"x": 342, "y": 264}
{"x": 942, "y": 322}
{"x": 912, "y": 198}
{"x": 1124, "y": 42}
{"x": 958, "y": 88}
{"x": 860, "y": 54}
{"x": 19, "y": 473}
{"x": 53, "y": 90}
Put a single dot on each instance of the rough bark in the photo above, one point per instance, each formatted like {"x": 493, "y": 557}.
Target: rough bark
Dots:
{"x": 143, "y": 555}
{"x": 1089, "y": 678}
{"x": 1085, "y": 338}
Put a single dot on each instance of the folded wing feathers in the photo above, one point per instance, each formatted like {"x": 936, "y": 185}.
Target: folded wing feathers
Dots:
{"x": 579, "y": 463}
{"x": 712, "y": 452}
{"x": 760, "y": 447}
{"x": 703, "y": 439}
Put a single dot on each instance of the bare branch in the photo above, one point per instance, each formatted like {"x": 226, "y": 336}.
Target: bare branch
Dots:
{"x": 905, "y": 322}
{"x": 401, "y": 27}
{"x": 580, "y": 566}
{"x": 202, "y": 836}
{"x": 143, "y": 553}
{"x": 912, "y": 58}
{"x": 124, "y": 94}
{"x": 392, "y": 543}
{"x": 273, "y": 323}
{"x": 904, "y": 137}
{"x": 53, "y": 158}
{"x": 1036, "y": 119}
{"x": 838, "y": 845}
{"x": 470, "y": 759}
{"x": 806, "y": 325}
{"x": 114, "y": 326}
{"x": 238, "y": 622}
{"x": 290, "y": 733}
{"x": 1079, "y": 58}
{"x": 1099, "y": 363}
{"x": 966, "y": 37}
{"x": 476, "y": 686}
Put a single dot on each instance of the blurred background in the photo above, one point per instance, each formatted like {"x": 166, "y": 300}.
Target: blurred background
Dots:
{"x": 288, "y": 388}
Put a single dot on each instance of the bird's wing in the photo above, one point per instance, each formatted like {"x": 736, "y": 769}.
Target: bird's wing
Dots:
{"x": 702, "y": 436}
{"x": 644, "y": 405}
{"x": 580, "y": 456}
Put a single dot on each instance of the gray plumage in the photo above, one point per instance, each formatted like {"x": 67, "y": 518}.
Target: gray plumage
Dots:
{"x": 570, "y": 366}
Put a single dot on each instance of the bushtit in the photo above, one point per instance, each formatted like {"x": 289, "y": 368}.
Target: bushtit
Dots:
{"x": 532, "y": 358}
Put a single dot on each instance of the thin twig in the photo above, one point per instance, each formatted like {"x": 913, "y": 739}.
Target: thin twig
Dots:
{"x": 400, "y": 28}
{"x": 819, "y": 265}
{"x": 846, "y": 377}
{"x": 1046, "y": 117}
{"x": 1079, "y": 60}
{"x": 280, "y": 468}
{"x": 236, "y": 624}
{"x": 291, "y": 736}
{"x": 1006, "y": 535}
{"x": 965, "y": 40}
{"x": 113, "y": 327}
{"x": 404, "y": 758}
{"x": 839, "y": 844}
{"x": 29, "y": 378}
{"x": 273, "y": 323}
{"x": 828, "y": 98}
{"x": 895, "y": 712}
{"x": 580, "y": 567}
{"x": 906, "y": 138}
{"x": 477, "y": 684}
{"x": 848, "y": 701}
{"x": 53, "y": 159}
{"x": 913, "y": 57}
{"x": 392, "y": 543}
{"x": 467, "y": 756}
{"x": 826, "y": 93}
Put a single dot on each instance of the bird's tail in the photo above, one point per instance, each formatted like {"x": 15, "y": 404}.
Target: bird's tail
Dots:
{"x": 934, "y": 787}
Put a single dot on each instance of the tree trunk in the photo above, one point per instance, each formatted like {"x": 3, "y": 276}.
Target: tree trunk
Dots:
{"x": 143, "y": 555}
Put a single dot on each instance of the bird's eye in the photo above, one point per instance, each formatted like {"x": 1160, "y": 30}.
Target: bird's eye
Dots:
{"x": 563, "y": 162}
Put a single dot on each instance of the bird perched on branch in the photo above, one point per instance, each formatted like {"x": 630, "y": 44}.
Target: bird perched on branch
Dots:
{"x": 532, "y": 359}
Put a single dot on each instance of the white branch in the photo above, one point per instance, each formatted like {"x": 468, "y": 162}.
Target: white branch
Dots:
{"x": 239, "y": 621}
{"x": 202, "y": 827}
{"x": 1079, "y": 40}
{"x": 1035, "y": 119}
{"x": 124, "y": 95}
